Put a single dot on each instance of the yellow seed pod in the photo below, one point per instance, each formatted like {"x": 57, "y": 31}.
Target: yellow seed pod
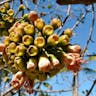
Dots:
{"x": 48, "y": 30}
{"x": 39, "y": 23}
{"x": 10, "y": 19}
{"x": 53, "y": 39}
{"x": 5, "y": 17}
{"x": 10, "y": 12}
{"x": 29, "y": 29}
{"x": 21, "y": 7}
{"x": 32, "y": 50}
{"x": 64, "y": 40}
{"x": 12, "y": 47}
{"x": 2, "y": 9}
{"x": 68, "y": 32}
{"x": 7, "y": 41}
{"x": 19, "y": 64}
{"x": 2, "y": 24}
{"x": 6, "y": 5}
{"x": 20, "y": 50}
{"x": 56, "y": 23}
{"x": 39, "y": 42}
{"x": 27, "y": 40}
{"x": 5, "y": 33}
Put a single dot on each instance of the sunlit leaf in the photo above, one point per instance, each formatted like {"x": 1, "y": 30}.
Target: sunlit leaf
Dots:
{"x": 92, "y": 58}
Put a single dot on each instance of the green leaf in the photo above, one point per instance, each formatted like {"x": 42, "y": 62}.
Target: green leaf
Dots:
{"x": 92, "y": 58}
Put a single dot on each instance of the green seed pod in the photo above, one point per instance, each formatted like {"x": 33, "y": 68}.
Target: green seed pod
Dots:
{"x": 32, "y": 50}
{"x": 2, "y": 24}
{"x": 25, "y": 16}
{"x": 2, "y": 9}
{"x": 68, "y": 32}
{"x": 64, "y": 40}
{"x": 44, "y": 64}
{"x": 5, "y": 33}
{"x": 48, "y": 30}
{"x": 20, "y": 50}
{"x": 39, "y": 42}
{"x": 53, "y": 39}
{"x": 7, "y": 41}
{"x": 39, "y": 23}
{"x": 10, "y": 12}
{"x": 29, "y": 29}
{"x": 56, "y": 23}
{"x": 19, "y": 64}
{"x": 7, "y": 6}
{"x": 32, "y": 64}
{"x": 27, "y": 40}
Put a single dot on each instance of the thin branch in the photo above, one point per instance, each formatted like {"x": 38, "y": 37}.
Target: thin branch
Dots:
{"x": 37, "y": 90}
{"x": 90, "y": 31}
{"x": 90, "y": 90}
{"x": 79, "y": 21}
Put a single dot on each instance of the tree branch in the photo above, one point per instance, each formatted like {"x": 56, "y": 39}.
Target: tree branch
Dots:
{"x": 90, "y": 90}
{"x": 5, "y": 1}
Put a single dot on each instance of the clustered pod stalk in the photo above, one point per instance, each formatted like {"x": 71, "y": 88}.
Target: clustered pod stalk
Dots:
{"x": 42, "y": 77}
{"x": 32, "y": 50}
{"x": 39, "y": 42}
{"x": 32, "y": 64}
{"x": 27, "y": 40}
{"x": 44, "y": 64}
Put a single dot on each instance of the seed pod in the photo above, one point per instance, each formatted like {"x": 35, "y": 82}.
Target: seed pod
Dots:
{"x": 74, "y": 49}
{"x": 10, "y": 19}
{"x": 19, "y": 64}
{"x": 2, "y": 24}
{"x": 56, "y": 23}
{"x": 12, "y": 47}
{"x": 63, "y": 40}
{"x": 55, "y": 62}
{"x": 33, "y": 16}
{"x": 13, "y": 69}
{"x": 32, "y": 64}
{"x": 2, "y": 47}
{"x": 44, "y": 64}
{"x": 68, "y": 32}
{"x": 2, "y": 9}
{"x": 32, "y": 50}
{"x": 6, "y": 41}
{"x": 5, "y": 17}
{"x": 48, "y": 30}
{"x": 20, "y": 50}
{"x": 21, "y": 7}
{"x": 29, "y": 29}
{"x": 39, "y": 23}
{"x": 53, "y": 39}
{"x": 15, "y": 37}
{"x": 27, "y": 40}
{"x": 39, "y": 42}
{"x": 5, "y": 33}
{"x": 7, "y": 6}
{"x": 10, "y": 12}
{"x": 18, "y": 80}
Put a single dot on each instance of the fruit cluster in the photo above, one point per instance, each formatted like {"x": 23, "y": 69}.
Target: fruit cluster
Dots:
{"x": 34, "y": 51}
{"x": 6, "y": 18}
